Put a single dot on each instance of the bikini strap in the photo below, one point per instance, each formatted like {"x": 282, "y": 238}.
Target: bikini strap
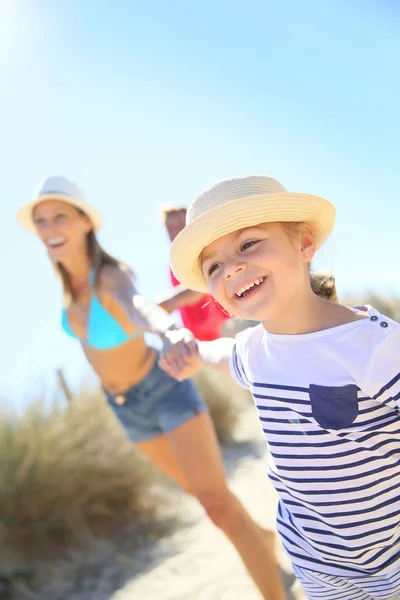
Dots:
{"x": 92, "y": 277}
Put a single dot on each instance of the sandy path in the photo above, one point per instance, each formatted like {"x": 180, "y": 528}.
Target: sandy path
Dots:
{"x": 197, "y": 562}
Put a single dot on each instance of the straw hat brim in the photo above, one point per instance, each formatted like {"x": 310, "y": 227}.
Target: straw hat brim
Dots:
{"x": 238, "y": 214}
{"x": 25, "y": 214}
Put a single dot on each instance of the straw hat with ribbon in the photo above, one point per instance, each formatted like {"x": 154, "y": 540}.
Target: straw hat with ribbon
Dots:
{"x": 237, "y": 203}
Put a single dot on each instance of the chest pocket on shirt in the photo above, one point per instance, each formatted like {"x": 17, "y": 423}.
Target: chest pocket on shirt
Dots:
{"x": 334, "y": 407}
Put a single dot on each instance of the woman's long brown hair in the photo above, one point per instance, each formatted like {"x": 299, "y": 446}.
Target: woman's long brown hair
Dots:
{"x": 98, "y": 258}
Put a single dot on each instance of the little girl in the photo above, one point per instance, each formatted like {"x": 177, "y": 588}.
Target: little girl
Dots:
{"x": 325, "y": 379}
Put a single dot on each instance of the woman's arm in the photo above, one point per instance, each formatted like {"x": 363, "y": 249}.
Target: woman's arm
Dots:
{"x": 146, "y": 315}
{"x": 143, "y": 314}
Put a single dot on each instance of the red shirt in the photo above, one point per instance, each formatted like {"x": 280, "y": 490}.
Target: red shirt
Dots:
{"x": 204, "y": 318}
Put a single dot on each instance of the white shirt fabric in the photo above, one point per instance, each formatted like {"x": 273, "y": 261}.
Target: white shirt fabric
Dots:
{"x": 329, "y": 406}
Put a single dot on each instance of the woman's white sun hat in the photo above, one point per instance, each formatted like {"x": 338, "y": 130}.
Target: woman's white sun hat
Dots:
{"x": 237, "y": 203}
{"x": 58, "y": 188}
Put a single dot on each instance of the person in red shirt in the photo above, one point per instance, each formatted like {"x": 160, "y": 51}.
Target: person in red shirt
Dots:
{"x": 199, "y": 312}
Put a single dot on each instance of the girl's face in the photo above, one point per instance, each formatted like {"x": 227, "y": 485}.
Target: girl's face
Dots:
{"x": 62, "y": 228}
{"x": 258, "y": 273}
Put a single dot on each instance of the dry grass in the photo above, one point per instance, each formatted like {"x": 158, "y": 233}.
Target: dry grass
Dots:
{"x": 67, "y": 476}
{"x": 69, "y": 479}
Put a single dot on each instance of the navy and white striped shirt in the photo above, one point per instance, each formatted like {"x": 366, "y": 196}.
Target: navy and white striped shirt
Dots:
{"x": 329, "y": 406}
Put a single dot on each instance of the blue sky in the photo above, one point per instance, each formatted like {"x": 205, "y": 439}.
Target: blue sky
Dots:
{"x": 147, "y": 103}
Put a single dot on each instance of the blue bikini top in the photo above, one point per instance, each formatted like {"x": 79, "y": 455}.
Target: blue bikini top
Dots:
{"x": 103, "y": 332}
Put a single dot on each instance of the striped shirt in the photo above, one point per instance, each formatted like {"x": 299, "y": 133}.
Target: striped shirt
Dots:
{"x": 328, "y": 403}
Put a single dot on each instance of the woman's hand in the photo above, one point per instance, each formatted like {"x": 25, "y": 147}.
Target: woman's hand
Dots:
{"x": 180, "y": 356}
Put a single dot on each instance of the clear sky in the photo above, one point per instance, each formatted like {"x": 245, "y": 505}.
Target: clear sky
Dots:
{"x": 146, "y": 103}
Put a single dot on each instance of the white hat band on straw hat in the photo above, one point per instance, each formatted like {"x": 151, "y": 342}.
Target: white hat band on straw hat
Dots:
{"x": 237, "y": 203}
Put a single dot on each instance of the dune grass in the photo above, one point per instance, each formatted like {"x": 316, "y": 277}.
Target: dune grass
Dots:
{"x": 69, "y": 479}
{"x": 66, "y": 476}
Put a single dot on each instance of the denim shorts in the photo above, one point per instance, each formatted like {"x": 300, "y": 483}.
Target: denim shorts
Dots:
{"x": 157, "y": 405}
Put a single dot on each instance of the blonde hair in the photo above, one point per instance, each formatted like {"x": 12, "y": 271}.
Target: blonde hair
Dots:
{"x": 171, "y": 209}
{"x": 295, "y": 230}
{"x": 322, "y": 282}
{"x": 323, "y": 285}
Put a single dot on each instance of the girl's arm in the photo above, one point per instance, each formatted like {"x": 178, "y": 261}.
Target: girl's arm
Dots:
{"x": 215, "y": 354}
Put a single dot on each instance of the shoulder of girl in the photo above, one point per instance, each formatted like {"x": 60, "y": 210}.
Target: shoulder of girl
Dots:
{"x": 384, "y": 369}
{"x": 374, "y": 353}
{"x": 389, "y": 342}
{"x": 249, "y": 336}
{"x": 381, "y": 322}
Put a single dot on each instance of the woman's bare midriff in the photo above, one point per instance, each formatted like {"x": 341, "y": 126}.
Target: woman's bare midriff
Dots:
{"x": 122, "y": 367}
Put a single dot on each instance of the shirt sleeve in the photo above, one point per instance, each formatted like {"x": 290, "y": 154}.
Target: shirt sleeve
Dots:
{"x": 383, "y": 377}
{"x": 237, "y": 369}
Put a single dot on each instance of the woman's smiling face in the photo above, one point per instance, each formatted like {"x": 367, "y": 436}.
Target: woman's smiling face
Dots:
{"x": 62, "y": 228}
{"x": 257, "y": 272}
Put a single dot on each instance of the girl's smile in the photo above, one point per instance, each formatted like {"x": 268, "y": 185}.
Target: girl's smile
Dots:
{"x": 249, "y": 289}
